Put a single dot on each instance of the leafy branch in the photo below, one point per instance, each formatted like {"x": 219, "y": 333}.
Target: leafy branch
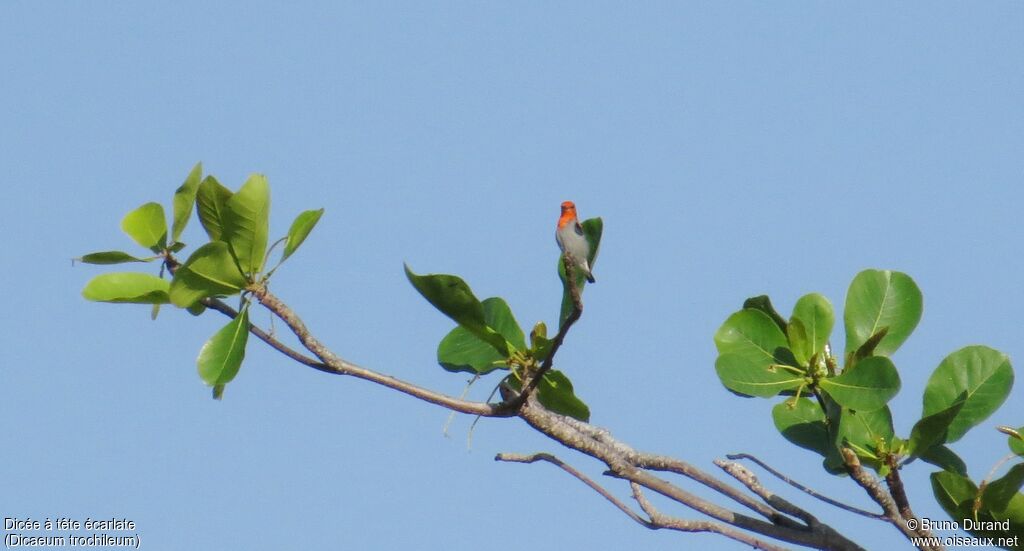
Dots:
{"x": 761, "y": 354}
{"x": 848, "y": 423}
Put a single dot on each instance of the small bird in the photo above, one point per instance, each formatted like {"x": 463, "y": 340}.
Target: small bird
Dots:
{"x": 571, "y": 239}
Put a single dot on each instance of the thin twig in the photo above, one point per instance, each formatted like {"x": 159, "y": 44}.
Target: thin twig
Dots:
{"x": 555, "y": 427}
{"x": 657, "y": 520}
{"x": 172, "y": 264}
{"x": 451, "y": 416}
{"x": 879, "y": 495}
{"x": 476, "y": 418}
{"x": 1002, "y": 461}
{"x": 678, "y": 466}
{"x": 746, "y": 477}
{"x": 519, "y": 458}
{"x": 899, "y": 495}
{"x": 805, "y": 489}
{"x": 339, "y": 366}
{"x": 895, "y": 484}
{"x": 220, "y": 306}
{"x": 556, "y": 343}
{"x": 661, "y": 520}
{"x": 665, "y": 463}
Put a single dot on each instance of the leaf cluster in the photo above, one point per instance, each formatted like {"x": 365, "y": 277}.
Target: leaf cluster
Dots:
{"x": 488, "y": 338}
{"x": 232, "y": 261}
{"x": 831, "y": 403}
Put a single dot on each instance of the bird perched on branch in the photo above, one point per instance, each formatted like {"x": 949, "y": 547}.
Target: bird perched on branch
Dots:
{"x": 572, "y": 241}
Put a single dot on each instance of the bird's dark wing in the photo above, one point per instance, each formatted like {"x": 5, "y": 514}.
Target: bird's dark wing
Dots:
{"x": 578, "y": 228}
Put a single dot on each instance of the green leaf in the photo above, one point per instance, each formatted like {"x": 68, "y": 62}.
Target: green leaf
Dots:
{"x": 461, "y": 350}
{"x": 1014, "y": 513}
{"x": 210, "y": 200}
{"x": 300, "y": 229}
{"x": 753, "y": 335}
{"x": 877, "y": 299}
{"x": 866, "y": 431}
{"x": 539, "y": 336}
{"x": 867, "y": 387}
{"x": 984, "y": 374}
{"x": 453, "y": 297}
{"x": 555, "y": 393}
{"x": 541, "y": 348}
{"x": 999, "y": 492}
{"x": 196, "y": 309}
{"x": 222, "y": 355}
{"x": 110, "y": 257}
{"x": 498, "y": 316}
{"x": 867, "y": 349}
{"x": 764, "y": 304}
{"x": 956, "y": 494}
{"x": 540, "y": 344}
{"x": 581, "y": 281}
{"x": 210, "y": 271}
{"x": 834, "y": 462}
{"x": 932, "y": 429}
{"x": 945, "y": 459}
{"x": 865, "y": 428}
{"x": 184, "y": 199}
{"x": 747, "y": 377}
{"x": 127, "y": 287}
{"x": 814, "y": 311}
{"x": 247, "y": 223}
{"x": 1016, "y": 441}
{"x": 799, "y": 343}
{"x": 803, "y": 423}
{"x": 592, "y": 230}
{"x": 951, "y": 490}
{"x": 147, "y": 226}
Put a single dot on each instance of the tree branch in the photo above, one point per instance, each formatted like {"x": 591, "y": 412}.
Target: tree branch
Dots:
{"x": 895, "y": 484}
{"x": 172, "y": 265}
{"x": 220, "y": 306}
{"x": 555, "y": 427}
{"x": 339, "y": 366}
{"x": 899, "y": 495}
{"x": 657, "y": 520}
{"x": 556, "y": 343}
{"x": 678, "y": 466}
{"x": 746, "y": 477}
{"x": 660, "y": 520}
{"x": 622, "y": 461}
{"x": 874, "y": 489}
{"x": 805, "y": 489}
{"x": 518, "y": 458}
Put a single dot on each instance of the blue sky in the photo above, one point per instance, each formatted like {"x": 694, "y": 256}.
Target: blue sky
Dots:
{"x": 732, "y": 149}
